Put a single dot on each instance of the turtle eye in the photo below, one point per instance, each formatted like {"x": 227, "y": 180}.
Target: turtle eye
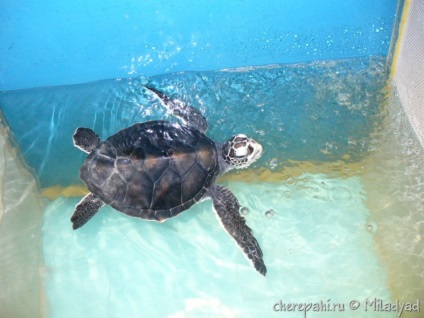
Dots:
{"x": 240, "y": 150}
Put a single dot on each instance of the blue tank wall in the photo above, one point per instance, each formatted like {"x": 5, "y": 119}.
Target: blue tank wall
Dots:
{"x": 47, "y": 42}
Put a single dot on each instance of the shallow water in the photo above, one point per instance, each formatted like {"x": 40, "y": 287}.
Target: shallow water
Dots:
{"x": 340, "y": 169}
{"x": 316, "y": 246}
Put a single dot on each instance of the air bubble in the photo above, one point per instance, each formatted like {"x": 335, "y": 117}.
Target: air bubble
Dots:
{"x": 288, "y": 194}
{"x": 341, "y": 194}
{"x": 243, "y": 210}
{"x": 290, "y": 181}
{"x": 270, "y": 213}
{"x": 371, "y": 227}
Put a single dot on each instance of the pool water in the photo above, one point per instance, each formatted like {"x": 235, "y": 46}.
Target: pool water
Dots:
{"x": 314, "y": 112}
{"x": 340, "y": 172}
{"x": 316, "y": 246}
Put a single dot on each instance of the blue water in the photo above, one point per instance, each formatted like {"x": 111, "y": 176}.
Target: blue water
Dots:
{"x": 320, "y": 201}
{"x": 316, "y": 112}
{"x": 315, "y": 121}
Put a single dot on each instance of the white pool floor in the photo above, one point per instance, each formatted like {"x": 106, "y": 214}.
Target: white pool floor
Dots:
{"x": 318, "y": 247}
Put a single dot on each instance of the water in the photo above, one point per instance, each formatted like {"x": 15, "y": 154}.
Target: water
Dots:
{"x": 321, "y": 201}
{"x": 295, "y": 111}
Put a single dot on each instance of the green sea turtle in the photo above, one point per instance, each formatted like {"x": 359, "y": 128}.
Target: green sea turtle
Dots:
{"x": 158, "y": 169}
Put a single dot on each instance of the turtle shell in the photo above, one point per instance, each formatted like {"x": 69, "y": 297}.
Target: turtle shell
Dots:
{"x": 153, "y": 170}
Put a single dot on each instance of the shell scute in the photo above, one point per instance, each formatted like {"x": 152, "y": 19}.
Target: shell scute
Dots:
{"x": 152, "y": 170}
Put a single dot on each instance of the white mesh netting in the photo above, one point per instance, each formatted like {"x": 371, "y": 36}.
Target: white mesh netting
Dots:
{"x": 409, "y": 65}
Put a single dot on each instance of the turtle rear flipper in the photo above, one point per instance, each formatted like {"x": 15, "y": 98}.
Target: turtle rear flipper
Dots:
{"x": 85, "y": 210}
{"x": 227, "y": 207}
{"x": 189, "y": 115}
{"x": 86, "y": 139}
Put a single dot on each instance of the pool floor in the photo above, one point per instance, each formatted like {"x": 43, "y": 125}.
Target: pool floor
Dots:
{"x": 317, "y": 243}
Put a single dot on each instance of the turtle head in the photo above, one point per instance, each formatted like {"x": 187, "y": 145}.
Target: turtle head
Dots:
{"x": 240, "y": 151}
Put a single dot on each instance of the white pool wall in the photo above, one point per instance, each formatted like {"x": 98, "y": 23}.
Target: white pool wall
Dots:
{"x": 21, "y": 291}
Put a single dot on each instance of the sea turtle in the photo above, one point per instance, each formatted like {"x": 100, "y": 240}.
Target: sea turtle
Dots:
{"x": 157, "y": 169}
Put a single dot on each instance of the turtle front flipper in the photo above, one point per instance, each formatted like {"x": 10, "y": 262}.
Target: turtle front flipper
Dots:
{"x": 85, "y": 139}
{"x": 227, "y": 208}
{"x": 189, "y": 115}
{"x": 85, "y": 210}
